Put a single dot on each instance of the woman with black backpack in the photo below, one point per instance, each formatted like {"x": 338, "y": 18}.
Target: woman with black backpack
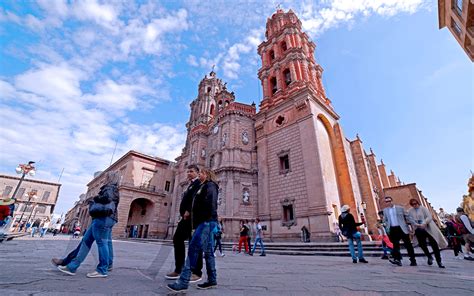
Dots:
{"x": 103, "y": 210}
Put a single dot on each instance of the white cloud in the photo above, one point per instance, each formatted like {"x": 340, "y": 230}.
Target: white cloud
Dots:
{"x": 192, "y": 61}
{"x": 231, "y": 64}
{"x": 317, "y": 18}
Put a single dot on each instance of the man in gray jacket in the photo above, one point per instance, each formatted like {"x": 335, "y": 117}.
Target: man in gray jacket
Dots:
{"x": 396, "y": 221}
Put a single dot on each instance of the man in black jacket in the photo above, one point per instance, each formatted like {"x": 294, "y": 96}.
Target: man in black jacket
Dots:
{"x": 348, "y": 228}
{"x": 183, "y": 231}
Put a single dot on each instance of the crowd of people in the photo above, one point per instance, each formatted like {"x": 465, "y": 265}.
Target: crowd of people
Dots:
{"x": 415, "y": 226}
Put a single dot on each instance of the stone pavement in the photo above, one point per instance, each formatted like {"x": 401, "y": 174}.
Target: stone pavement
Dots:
{"x": 139, "y": 269}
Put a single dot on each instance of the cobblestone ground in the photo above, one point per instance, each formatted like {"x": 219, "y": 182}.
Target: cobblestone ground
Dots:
{"x": 139, "y": 269}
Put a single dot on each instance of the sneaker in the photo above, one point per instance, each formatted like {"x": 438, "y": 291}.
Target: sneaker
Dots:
{"x": 413, "y": 263}
{"x": 172, "y": 276}
{"x": 65, "y": 270}
{"x": 206, "y": 285}
{"x": 175, "y": 287}
{"x": 96, "y": 274}
{"x": 263, "y": 254}
{"x": 251, "y": 254}
{"x": 194, "y": 278}
{"x": 363, "y": 260}
{"x": 469, "y": 258}
{"x": 354, "y": 260}
{"x": 222, "y": 254}
{"x": 56, "y": 261}
{"x": 110, "y": 268}
{"x": 440, "y": 265}
{"x": 395, "y": 262}
{"x": 384, "y": 257}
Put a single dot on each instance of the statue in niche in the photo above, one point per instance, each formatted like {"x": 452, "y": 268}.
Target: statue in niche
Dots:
{"x": 245, "y": 138}
{"x": 224, "y": 139}
{"x": 203, "y": 153}
{"x": 246, "y": 196}
{"x": 219, "y": 197}
{"x": 193, "y": 155}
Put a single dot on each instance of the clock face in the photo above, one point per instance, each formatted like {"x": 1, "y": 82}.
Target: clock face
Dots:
{"x": 216, "y": 129}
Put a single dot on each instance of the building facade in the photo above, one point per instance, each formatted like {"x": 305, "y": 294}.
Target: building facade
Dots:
{"x": 289, "y": 164}
{"x": 36, "y": 199}
{"x": 458, "y": 17}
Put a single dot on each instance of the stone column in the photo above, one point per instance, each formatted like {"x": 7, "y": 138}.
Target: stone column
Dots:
{"x": 383, "y": 175}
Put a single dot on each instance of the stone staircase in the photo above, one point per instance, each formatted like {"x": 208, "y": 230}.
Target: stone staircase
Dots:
{"x": 371, "y": 249}
{"x": 10, "y": 236}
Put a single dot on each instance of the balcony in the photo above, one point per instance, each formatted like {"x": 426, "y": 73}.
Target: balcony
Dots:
{"x": 143, "y": 187}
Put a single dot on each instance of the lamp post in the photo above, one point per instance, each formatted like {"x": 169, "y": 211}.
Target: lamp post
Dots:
{"x": 30, "y": 195}
{"x": 24, "y": 169}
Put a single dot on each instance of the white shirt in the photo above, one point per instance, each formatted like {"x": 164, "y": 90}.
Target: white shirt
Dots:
{"x": 392, "y": 215}
{"x": 467, "y": 223}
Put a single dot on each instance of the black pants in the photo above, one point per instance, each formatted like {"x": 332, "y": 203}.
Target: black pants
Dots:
{"x": 421, "y": 236}
{"x": 396, "y": 234}
{"x": 183, "y": 233}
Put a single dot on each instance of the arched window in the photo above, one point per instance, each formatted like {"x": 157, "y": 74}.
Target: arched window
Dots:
{"x": 226, "y": 103}
{"x": 273, "y": 85}
{"x": 211, "y": 112}
{"x": 271, "y": 54}
{"x": 209, "y": 89}
{"x": 287, "y": 76}
{"x": 283, "y": 46}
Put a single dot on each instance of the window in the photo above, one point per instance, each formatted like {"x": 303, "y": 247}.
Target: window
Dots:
{"x": 45, "y": 196}
{"x": 208, "y": 89}
{"x": 167, "y": 186}
{"x": 457, "y": 5}
{"x": 212, "y": 110}
{"x": 280, "y": 120}
{"x": 19, "y": 194}
{"x": 287, "y": 76}
{"x": 284, "y": 164}
{"x": 211, "y": 161}
{"x": 273, "y": 85}
{"x": 271, "y": 54}
{"x": 41, "y": 209}
{"x": 456, "y": 27}
{"x": 7, "y": 191}
{"x": 283, "y": 46}
{"x": 29, "y": 208}
{"x": 288, "y": 214}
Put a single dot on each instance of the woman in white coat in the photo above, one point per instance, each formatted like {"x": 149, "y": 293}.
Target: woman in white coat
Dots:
{"x": 425, "y": 228}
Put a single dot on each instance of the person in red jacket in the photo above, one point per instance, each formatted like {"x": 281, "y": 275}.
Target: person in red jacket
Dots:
{"x": 5, "y": 204}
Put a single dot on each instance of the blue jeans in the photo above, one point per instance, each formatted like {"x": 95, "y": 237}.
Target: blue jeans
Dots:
{"x": 258, "y": 240}
{"x": 350, "y": 240}
{"x": 33, "y": 231}
{"x": 202, "y": 241}
{"x": 88, "y": 244}
{"x": 100, "y": 231}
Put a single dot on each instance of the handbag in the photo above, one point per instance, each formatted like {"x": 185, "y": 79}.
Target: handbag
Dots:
{"x": 98, "y": 210}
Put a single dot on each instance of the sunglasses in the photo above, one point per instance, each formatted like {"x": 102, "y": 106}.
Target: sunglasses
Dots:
{"x": 388, "y": 201}
{"x": 414, "y": 204}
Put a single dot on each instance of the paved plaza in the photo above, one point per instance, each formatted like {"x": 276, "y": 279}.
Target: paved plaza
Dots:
{"x": 139, "y": 269}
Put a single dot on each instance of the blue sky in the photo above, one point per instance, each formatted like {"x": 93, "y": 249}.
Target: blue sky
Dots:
{"x": 76, "y": 76}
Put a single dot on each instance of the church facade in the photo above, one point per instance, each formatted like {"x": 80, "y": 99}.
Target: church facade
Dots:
{"x": 289, "y": 163}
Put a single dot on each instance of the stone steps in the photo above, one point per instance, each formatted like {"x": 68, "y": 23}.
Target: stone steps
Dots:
{"x": 10, "y": 236}
{"x": 371, "y": 249}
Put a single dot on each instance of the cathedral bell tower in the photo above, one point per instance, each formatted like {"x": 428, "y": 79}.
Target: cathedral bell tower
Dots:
{"x": 303, "y": 177}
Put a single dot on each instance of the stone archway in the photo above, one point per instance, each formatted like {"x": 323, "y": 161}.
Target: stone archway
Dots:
{"x": 140, "y": 218}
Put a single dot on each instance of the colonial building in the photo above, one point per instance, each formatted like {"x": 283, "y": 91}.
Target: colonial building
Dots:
{"x": 458, "y": 17}
{"x": 145, "y": 199}
{"x": 288, "y": 164}
{"x": 36, "y": 199}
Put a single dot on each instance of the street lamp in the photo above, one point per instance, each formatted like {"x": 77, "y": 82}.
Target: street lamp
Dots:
{"x": 24, "y": 169}
{"x": 30, "y": 195}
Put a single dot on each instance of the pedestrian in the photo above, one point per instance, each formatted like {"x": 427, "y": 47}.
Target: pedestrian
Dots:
{"x": 103, "y": 210}
{"x": 305, "y": 235}
{"x": 77, "y": 231}
{"x": 466, "y": 231}
{"x": 396, "y": 220}
{"x": 204, "y": 220}
{"x": 250, "y": 234}
{"x": 453, "y": 233}
{"x": 338, "y": 233}
{"x": 28, "y": 225}
{"x": 349, "y": 230}
{"x": 218, "y": 232}
{"x": 22, "y": 225}
{"x": 35, "y": 227}
{"x": 244, "y": 232}
{"x": 258, "y": 238}
{"x": 184, "y": 229}
{"x": 426, "y": 229}
{"x": 45, "y": 227}
{"x": 57, "y": 227}
{"x": 387, "y": 245}
{"x": 5, "y": 214}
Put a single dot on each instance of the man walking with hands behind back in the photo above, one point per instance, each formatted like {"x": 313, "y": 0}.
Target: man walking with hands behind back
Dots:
{"x": 183, "y": 231}
{"x": 396, "y": 219}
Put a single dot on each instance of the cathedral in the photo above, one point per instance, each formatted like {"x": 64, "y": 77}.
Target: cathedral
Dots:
{"x": 288, "y": 164}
